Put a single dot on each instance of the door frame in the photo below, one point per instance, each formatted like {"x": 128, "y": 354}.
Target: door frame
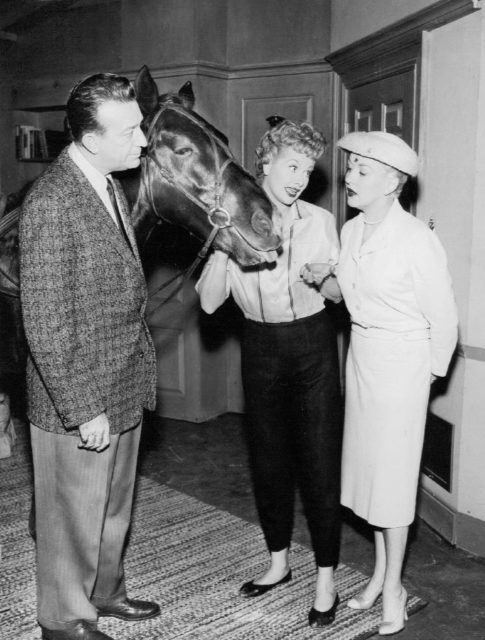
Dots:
{"x": 385, "y": 53}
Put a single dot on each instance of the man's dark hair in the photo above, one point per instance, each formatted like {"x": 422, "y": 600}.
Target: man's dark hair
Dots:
{"x": 87, "y": 96}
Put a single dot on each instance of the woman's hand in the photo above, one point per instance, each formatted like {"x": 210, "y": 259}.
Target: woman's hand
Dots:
{"x": 211, "y": 286}
{"x": 315, "y": 272}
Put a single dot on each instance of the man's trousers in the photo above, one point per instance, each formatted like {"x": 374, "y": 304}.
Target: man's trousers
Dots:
{"x": 83, "y": 502}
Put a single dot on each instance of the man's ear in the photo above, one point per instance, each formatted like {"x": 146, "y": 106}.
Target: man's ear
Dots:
{"x": 90, "y": 142}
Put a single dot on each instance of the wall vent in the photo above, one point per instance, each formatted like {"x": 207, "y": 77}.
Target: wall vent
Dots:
{"x": 438, "y": 450}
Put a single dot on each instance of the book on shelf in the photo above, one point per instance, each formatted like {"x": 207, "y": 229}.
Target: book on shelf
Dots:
{"x": 32, "y": 143}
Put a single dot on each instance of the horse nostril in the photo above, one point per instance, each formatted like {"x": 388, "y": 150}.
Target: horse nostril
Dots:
{"x": 261, "y": 224}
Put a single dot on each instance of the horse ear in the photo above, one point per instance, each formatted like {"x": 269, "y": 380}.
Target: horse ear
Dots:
{"x": 186, "y": 94}
{"x": 146, "y": 91}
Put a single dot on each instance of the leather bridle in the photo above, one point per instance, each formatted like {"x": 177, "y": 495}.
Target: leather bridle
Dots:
{"x": 211, "y": 211}
{"x": 217, "y": 207}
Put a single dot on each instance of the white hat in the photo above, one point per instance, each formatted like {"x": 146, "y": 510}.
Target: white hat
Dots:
{"x": 383, "y": 147}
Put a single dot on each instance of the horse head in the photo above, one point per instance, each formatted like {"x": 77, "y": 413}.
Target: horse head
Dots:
{"x": 190, "y": 178}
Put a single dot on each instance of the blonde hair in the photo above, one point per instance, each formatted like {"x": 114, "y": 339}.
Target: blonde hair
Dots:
{"x": 302, "y": 136}
{"x": 401, "y": 177}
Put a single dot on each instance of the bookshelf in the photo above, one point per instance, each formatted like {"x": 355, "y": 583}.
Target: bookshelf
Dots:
{"x": 24, "y": 170}
{"x": 39, "y": 134}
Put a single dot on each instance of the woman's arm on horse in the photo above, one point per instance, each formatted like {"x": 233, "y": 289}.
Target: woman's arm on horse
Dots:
{"x": 212, "y": 285}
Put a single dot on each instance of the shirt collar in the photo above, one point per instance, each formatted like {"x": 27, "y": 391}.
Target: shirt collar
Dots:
{"x": 300, "y": 211}
{"x": 95, "y": 177}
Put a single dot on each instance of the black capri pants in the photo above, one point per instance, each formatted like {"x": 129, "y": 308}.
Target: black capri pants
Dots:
{"x": 294, "y": 411}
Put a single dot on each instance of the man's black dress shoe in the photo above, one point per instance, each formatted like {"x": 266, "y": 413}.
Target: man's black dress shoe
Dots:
{"x": 81, "y": 630}
{"x": 252, "y": 590}
{"x": 129, "y": 610}
{"x": 322, "y": 618}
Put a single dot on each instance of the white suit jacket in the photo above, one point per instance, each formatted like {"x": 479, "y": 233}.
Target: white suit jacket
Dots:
{"x": 398, "y": 281}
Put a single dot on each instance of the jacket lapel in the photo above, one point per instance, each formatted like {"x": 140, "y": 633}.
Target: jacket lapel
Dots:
{"x": 125, "y": 214}
{"x": 91, "y": 205}
{"x": 378, "y": 240}
{"x": 356, "y": 237}
{"x": 381, "y": 237}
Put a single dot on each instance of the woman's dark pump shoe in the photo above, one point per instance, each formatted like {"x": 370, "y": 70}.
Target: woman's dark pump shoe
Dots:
{"x": 252, "y": 590}
{"x": 322, "y": 618}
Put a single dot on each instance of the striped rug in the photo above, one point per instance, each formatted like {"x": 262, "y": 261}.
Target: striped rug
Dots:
{"x": 191, "y": 558}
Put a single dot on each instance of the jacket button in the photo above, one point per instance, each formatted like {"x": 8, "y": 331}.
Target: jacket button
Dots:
{"x": 141, "y": 354}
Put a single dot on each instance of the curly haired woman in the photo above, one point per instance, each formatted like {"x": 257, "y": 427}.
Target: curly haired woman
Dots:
{"x": 290, "y": 366}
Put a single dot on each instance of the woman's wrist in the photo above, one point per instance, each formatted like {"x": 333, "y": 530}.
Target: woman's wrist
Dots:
{"x": 330, "y": 274}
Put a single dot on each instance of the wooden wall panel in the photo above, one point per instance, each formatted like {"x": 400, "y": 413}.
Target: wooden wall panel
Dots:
{"x": 78, "y": 41}
{"x": 256, "y": 110}
{"x": 169, "y": 344}
{"x": 302, "y": 94}
{"x": 298, "y": 92}
{"x": 157, "y": 33}
{"x": 277, "y": 31}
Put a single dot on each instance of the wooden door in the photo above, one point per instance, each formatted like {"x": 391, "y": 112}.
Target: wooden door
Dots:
{"x": 191, "y": 371}
{"x": 386, "y": 105}
{"x": 377, "y": 90}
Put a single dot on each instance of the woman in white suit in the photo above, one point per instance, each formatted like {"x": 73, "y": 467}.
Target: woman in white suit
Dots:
{"x": 394, "y": 278}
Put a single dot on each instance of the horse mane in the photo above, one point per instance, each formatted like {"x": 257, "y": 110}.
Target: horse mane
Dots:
{"x": 171, "y": 98}
{"x": 185, "y": 98}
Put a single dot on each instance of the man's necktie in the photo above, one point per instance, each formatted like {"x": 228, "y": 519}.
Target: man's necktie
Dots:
{"x": 112, "y": 197}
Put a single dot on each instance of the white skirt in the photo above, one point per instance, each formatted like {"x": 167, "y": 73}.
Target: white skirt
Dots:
{"x": 387, "y": 392}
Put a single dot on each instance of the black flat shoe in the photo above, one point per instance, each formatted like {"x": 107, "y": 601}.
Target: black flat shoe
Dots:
{"x": 322, "y": 618}
{"x": 252, "y": 590}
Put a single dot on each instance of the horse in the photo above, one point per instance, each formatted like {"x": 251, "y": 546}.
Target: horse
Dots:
{"x": 13, "y": 346}
{"x": 188, "y": 177}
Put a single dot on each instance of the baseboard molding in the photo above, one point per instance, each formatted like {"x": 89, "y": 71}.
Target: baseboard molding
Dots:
{"x": 461, "y": 530}
{"x": 470, "y": 534}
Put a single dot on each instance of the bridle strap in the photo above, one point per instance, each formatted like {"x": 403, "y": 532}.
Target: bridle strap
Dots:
{"x": 211, "y": 212}
{"x": 169, "y": 178}
{"x": 186, "y": 273}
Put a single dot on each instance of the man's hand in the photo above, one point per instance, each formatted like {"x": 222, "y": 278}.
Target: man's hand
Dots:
{"x": 95, "y": 434}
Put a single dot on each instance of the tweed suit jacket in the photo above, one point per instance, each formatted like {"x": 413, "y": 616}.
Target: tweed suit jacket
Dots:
{"x": 83, "y": 298}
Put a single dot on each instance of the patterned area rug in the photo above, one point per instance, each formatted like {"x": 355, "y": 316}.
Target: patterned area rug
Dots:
{"x": 191, "y": 558}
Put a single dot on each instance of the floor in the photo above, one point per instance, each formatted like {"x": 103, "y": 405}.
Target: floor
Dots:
{"x": 208, "y": 461}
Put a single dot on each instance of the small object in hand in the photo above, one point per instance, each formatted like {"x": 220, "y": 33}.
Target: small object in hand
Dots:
{"x": 307, "y": 267}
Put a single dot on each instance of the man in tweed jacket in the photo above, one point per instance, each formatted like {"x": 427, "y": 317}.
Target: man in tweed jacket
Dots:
{"x": 91, "y": 368}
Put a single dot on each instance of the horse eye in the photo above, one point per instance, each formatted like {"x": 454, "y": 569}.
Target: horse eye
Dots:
{"x": 183, "y": 151}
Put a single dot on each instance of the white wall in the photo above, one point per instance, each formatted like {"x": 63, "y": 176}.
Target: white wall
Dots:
{"x": 453, "y": 177}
